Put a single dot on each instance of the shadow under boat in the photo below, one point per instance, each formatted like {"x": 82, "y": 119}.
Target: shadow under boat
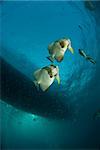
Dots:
{"x": 19, "y": 91}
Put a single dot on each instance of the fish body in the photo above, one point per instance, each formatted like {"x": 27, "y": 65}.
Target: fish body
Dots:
{"x": 58, "y": 48}
{"x": 45, "y": 77}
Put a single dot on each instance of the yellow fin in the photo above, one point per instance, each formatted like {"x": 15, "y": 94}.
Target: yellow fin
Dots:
{"x": 71, "y": 49}
{"x": 58, "y": 79}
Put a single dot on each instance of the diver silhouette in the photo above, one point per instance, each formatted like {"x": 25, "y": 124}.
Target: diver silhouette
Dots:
{"x": 87, "y": 57}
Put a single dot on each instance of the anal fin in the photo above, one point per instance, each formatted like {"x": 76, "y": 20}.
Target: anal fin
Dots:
{"x": 50, "y": 58}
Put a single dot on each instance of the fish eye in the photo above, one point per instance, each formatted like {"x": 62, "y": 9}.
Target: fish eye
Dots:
{"x": 62, "y": 44}
{"x": 55, "y": 75}
{"x": 54, "y": 66}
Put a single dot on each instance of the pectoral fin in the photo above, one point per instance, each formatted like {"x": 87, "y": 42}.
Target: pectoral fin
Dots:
{"x": 58, "y": 79}
{"x": 71, "y": 49}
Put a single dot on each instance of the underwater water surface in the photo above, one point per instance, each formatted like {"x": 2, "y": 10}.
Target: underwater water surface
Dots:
{"x": 62, "y": 117}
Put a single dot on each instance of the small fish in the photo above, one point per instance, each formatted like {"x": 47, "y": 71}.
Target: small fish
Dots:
{"x": 89, "y": 58}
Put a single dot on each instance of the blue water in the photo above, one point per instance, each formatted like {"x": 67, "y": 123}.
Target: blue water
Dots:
{"x": 26, "y": 30}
